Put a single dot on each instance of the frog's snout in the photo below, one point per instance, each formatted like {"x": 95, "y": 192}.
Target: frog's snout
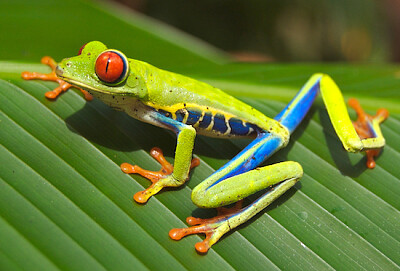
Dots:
{"x": 59, "y": 71}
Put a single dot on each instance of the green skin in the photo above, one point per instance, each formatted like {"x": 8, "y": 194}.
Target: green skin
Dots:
{"x": 147, "y": 88}
{"x": 159, "y": 89}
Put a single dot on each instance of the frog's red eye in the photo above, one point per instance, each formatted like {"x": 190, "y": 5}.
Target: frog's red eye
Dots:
{"x": 111, "y": 67}
{"x": 80, "y": 50}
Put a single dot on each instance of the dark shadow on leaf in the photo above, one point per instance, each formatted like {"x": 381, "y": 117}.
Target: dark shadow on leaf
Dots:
{"x": 215, "y": 147}
{"x": 106, "y": 127}
{"x": 339, "y": 155}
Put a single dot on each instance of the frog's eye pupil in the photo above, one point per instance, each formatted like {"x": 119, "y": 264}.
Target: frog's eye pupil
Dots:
{"x": 111, "y": 67}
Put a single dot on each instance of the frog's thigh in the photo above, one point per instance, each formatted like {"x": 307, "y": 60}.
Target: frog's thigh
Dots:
{"x": 240, "y": 186}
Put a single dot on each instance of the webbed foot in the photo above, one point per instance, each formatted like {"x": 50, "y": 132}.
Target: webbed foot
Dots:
{"x": 160, "y": 179}
{"x": 214, "y": 228}
{"x": 63, "y": 86}
{"x": 364, "y": 126}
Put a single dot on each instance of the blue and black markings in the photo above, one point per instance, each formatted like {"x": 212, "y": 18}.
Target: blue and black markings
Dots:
{"x": 194, "y": 116}
{"x": 238, "y": 127}
{"x": 217, "y": 123}
{"x": 205, "y": 122}
{"x": 180, "y": 115}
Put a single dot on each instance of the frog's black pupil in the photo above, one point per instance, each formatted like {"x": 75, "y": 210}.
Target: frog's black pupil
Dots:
{"x": 108, "y": 63}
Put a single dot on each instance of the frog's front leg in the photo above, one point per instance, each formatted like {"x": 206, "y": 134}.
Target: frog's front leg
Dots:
{"x": 62, "y": 85}
{"x": 168, "y": 176}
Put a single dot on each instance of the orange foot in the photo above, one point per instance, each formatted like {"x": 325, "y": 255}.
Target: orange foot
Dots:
{"x": 153, "y": 176}
{"x": 63, "y": 86}
{"x": 363, "y": 126}
{"x": 213, "y": 227}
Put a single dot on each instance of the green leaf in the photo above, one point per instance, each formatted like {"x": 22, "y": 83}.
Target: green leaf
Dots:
{"x": 65, "y": 204}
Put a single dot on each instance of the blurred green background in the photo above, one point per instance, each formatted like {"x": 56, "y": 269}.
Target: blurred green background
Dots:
{"x": 287, "y": 30}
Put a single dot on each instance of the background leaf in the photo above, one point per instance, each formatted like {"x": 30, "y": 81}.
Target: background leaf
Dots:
{"x": 65, "y": 204}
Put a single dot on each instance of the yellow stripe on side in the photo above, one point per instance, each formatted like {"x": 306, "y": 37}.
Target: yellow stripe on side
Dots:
{"x": 176, "y": 107}
{"x": 200, "y": 119}
{"x": 186, "y": 117}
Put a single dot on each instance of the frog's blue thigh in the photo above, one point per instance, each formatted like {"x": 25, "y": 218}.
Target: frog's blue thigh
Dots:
{"x": 237, "y": 179}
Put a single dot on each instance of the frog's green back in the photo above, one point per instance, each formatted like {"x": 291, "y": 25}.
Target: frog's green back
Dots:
{"x": 170, "y": 91}
{"x": 208, "y": 109}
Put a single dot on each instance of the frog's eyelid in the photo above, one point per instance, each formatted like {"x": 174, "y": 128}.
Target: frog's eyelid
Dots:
{"x": 81, "y": 49}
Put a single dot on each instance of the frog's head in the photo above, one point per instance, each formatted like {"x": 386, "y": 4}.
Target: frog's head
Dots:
{"x": 101, "y": 71}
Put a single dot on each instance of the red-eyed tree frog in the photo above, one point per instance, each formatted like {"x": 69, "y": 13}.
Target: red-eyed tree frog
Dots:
{"x": 187, "y": 107}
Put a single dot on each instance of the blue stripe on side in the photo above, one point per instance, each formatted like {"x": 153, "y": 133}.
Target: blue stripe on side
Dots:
{"x": 194, "y": 116}
{"x": 237, "y": 127}
{"x": 180, "y": 115}
{"x": 205, "y": 122}
{"x": 167, "y": 121}
{"x": 219, "y": 123}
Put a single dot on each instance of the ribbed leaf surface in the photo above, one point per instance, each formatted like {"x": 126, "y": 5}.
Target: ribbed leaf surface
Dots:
{"x": 65, "y": 204}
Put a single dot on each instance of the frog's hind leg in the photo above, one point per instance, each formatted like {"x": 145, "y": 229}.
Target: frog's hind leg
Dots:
{"x": 237, "y": 180}
{"x": 209, "y": 226}
{"x": 367, "y": 126}
{"x": 281, "y": 176}
{"x": 63, "y": 86}
{"x": 364, "y": 134}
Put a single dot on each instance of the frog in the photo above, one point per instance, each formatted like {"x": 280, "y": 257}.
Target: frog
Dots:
{"x": 189, "y": 107}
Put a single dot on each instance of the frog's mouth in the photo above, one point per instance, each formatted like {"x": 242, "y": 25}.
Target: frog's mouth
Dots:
{"x": 60, "y": 74}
